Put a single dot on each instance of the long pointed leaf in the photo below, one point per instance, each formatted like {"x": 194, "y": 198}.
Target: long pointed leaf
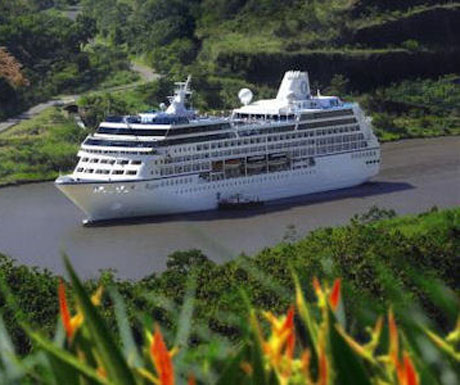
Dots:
{"x": 111, "y": 357}
{"x": 67, "y": 358}
{"x": 349, "y": 368}
{"x": 129, "y": 346}
{"x": 7, "y": 354}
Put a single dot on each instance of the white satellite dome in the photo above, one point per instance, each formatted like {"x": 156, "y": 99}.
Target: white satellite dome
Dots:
{"x": 245, "y": 95}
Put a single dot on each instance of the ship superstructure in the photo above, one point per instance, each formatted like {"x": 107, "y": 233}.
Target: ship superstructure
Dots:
{"x": 173, "y": 160}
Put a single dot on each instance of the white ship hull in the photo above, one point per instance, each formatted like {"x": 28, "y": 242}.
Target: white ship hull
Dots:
{"x": 111, "y": 200}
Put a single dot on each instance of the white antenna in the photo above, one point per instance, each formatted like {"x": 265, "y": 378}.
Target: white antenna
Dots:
{"x": 245, "y": 95}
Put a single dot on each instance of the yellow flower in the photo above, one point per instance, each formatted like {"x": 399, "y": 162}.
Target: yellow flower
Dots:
{"x": 72, "y": 324}
{"x": 279, "y": 349}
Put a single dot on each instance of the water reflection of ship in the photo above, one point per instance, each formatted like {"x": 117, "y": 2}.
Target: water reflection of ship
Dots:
{"x": 239, "y": 201}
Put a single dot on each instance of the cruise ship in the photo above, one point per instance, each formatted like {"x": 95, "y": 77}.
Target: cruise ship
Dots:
{"x": 175, "y": 160}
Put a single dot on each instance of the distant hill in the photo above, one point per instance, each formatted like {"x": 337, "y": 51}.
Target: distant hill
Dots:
{"x": 371, "y": 43}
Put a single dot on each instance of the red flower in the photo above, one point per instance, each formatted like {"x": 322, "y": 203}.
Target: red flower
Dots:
{"x": 64, "y": 310}
{"x": 334, "y": 297}
{"x": 162, "y": 359}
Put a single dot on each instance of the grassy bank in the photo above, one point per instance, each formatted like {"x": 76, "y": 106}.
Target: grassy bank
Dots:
{"x": 37, "y": 149}
{"x": 382, "y": 260}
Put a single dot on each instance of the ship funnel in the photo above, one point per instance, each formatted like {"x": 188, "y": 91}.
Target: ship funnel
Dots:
{"x": 295, "y": 86}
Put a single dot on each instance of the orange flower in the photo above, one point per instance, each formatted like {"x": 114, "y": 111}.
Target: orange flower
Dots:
{"x": 334, "y": 297}
{"x": 289, "y": 327}
{"x": 64, "y": 310}
{"x": 411, "y": 373}
{"x": 407, "y": 375}
{"x": 394, "y": 343}
{"x": 279, "y": 348}
{"x": 162, "y": 359}
{"x": 71, "y": 324}
{"x": 317, "y": 287}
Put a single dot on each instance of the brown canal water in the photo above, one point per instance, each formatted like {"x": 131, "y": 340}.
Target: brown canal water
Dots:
{"x": 38, "y": 224}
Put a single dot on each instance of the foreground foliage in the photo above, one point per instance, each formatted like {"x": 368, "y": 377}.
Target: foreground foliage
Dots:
{"x": 308, "y": 345}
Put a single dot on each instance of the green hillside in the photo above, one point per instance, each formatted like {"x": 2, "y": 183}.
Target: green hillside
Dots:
{"x": 44, "y": 53}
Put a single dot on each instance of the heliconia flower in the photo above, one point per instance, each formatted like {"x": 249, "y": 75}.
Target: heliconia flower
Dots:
{"x": 411, "y": 373}
{"x": 394, "y": 342}
{"x": 375, "y": 335}
{"x": 406, "y": 373}
{"x": 279, "y": 348}
{"x": 161, "y": 358}
{"x": 334, "y": 297}
{"x": 359, "y": 349}
{"x": 367, "y": 350}
{"x": 71, "y": 324}
{"x": 317, "y": 287}
{"x": 64, "y": 310}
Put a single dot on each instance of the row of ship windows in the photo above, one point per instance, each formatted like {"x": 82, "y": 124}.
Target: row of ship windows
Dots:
{"x": 340, "y": 147}
{"x": 111, "y": 152}
{"x": 242, "y": 181}
{"x": 363, "y": 154}
{"x": 185, "y": 168}
{"x": 373, "y": 161}
{"x": 206, "y": 165}
{"x": 110, "y": 161}
{"x": 322, "y": 149}
{"x": 273, "y": 138}
{"x": 106, "y": 171}
{"x": 295, "y": 152}
{"x": 340, "y": 139}
{"x": 278, "y": 146}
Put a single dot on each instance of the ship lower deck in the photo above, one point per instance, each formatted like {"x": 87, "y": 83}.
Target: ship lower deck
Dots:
{"x": 104, "y": 201}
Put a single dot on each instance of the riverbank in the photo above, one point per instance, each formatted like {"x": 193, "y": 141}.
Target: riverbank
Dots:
{"x": 36, "y": 149}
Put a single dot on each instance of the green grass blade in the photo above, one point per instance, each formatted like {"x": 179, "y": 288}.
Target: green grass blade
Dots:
{"x": 110, "y": 355}
{"x": 67, "y": 359}
{"x": 7, "y": 355}
{"x": 129, "y": 346}
{"x": 349, "y": 368}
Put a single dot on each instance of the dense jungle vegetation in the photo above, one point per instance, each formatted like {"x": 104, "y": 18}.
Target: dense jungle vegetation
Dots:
{"x": 350, "y": 47}
{"x": 44, "y": 53}
{"x": 358, "y": 45}
{"x": 381, "y": 258}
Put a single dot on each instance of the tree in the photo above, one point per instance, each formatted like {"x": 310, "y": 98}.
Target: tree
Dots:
{"x": 10, "y": 69}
